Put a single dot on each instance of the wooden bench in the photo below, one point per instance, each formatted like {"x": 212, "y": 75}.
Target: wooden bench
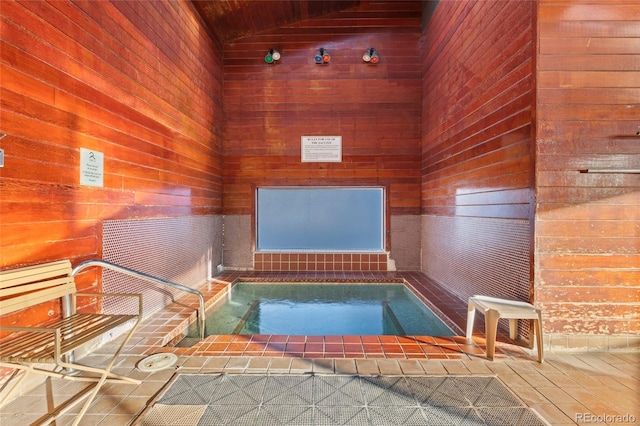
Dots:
{"x": 46, "y": 349}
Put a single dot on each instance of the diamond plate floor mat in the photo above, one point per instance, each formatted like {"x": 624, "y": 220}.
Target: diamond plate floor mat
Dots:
{"x": 256, "y": 400}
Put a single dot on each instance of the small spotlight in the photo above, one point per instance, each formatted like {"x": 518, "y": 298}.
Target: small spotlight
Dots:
{"x": 322, "y": 56}
{"x": 370, "y": 55}
{"x": 272, "y": 56}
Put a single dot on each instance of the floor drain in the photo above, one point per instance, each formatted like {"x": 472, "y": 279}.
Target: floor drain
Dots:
{"x": 157, "y": 362}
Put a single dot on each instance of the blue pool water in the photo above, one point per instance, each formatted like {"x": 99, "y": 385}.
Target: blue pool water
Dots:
{"x": 321, "y": 309}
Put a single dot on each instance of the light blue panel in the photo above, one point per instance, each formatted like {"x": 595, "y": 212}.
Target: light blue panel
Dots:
{"x": 320, "y": 219}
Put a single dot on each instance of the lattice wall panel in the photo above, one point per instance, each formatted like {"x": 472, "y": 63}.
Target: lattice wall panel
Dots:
{"x": 185, "y": 250}
{"x": 478, "y": 256}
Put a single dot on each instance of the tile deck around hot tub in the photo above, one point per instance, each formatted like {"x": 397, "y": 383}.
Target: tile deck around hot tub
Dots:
{"x": 163, "y": 330}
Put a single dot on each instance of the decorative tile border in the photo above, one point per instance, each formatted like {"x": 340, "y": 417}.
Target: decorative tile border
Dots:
{"x": 320, "y": 261}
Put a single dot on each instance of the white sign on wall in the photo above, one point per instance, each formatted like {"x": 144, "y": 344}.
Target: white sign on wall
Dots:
{"x": 91, "y": 167}
{"x": 321, "y": 149}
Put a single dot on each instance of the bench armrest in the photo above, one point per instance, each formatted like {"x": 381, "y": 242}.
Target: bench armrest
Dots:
{"x": 39, "y": 343}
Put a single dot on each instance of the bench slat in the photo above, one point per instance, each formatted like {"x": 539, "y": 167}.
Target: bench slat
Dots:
{"x": 28, "y": 274}
{"x": 23, "y": 341}
{"x": 76, "y": 330}
{"x": 17, "y": 303}
{"x": 38, "y": 286}
{"x": 99, "y": 325}
{"x": 29, "y": 286}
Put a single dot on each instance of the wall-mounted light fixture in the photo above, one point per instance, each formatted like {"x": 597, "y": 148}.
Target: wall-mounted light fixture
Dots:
{"x": 322, "y": 56}
{"x": 272, "y": 56}
{"x": 371, "y": 56}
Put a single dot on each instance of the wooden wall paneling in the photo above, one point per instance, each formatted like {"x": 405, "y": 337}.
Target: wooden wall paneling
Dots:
{"x": 480, "y": 67}
{"x": 499, "y": 95}
{"x": 241, "y": 18}
{"x": 478, "y": 89}
{"x": 580, "y": 278}
{"x": 587, "y": 224}
{"x": 118, "y": 77}
{"x": 375, "y": 108}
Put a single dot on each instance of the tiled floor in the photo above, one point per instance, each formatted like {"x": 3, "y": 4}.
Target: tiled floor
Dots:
{"x": 568, "y": 388}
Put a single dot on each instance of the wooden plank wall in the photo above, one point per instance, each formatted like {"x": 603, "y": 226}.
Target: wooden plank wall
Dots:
{"x": 375, "y": 108}
{"x": 116, "y": 77}
{"x": 588, "y": 225}
{"x": 140, "y": 82}
{"x": 476, "y": 109}
{"x": 477, "y": 166}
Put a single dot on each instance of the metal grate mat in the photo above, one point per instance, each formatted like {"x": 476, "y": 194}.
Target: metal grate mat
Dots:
{"x": 252, "y": 399}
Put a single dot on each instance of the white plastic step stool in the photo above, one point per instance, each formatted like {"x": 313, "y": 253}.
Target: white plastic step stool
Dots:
{"x": 493, "y": 309}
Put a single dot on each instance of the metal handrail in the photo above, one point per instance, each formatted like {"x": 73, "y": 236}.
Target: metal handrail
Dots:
{"x": 146, "y": 277}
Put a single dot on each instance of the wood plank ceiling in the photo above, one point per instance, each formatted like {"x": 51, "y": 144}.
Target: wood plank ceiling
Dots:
{"x": 233, "y": 19}
{"x": 230, "y": 20}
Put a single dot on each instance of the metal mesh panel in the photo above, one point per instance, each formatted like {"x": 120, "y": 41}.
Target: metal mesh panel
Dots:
{"x": 338, "y": 399}
{"x": 184, "y": 250}
{"x": 473, "y": 255}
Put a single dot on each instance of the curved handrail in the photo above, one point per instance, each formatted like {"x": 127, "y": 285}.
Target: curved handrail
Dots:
{"x": 146, "y": 277}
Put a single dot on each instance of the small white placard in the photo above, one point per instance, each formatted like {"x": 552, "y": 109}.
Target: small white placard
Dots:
{"x": 321, "y": 149}
{"x": 91, "y": 167}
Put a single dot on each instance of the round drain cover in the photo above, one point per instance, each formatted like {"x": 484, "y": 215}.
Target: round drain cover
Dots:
{"x": 157, "y": 362}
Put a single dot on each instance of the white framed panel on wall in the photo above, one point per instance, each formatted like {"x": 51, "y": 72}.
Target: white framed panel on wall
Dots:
{"x": 349, "y": 219}
{"x": 321, "y": 149}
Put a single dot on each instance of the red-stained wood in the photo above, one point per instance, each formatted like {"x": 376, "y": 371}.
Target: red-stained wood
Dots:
{"x": 477, "y": 104}
{"x": 587, "y": 231}
{"x": 375, "y": 108}
{"x": 566, "y": 278}
{"x": 120, "y": 78}
{"x": 477, "y": 167}
{"x": 233, "y": 19}
{"x": 140, "y": 82}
